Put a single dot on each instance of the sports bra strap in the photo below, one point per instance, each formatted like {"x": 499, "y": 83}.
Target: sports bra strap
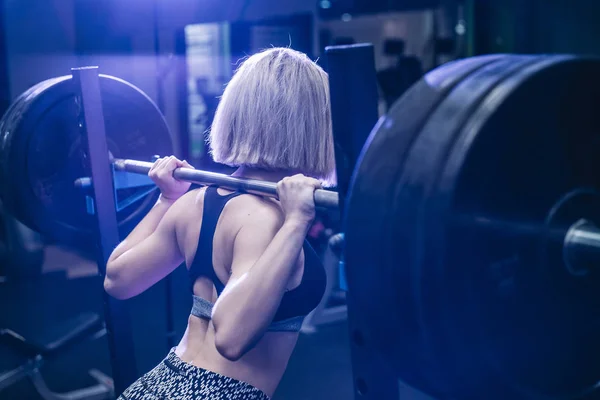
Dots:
{"x": 214, "y": 203}
{"x": 202, "y": 308}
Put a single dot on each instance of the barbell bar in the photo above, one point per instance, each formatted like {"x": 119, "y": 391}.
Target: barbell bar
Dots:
{"x": 580, "y": 242}
{"x": 323, "y": 198}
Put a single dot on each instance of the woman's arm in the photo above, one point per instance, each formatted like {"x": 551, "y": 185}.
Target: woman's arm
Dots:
{"x": 264, "y": 260}
{"x": 144, "y": 229}
{"x": 171, "y": 189}
{"x": 150, "y": 252}
{"x": 266, "y": 253}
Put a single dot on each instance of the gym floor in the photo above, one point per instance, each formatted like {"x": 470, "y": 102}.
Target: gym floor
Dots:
{"x": 320, "y": 367}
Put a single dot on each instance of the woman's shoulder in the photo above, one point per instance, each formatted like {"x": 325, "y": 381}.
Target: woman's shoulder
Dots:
{"x": 257, "y": 210}
{"x": 190, "y": 202}
{"x": 242, "y": 210}
{"x": 194, "y": 196}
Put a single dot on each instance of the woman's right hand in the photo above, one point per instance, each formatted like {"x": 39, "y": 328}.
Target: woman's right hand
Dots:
{"x": 161, "y": 174}
{"x": 297, "y": 197}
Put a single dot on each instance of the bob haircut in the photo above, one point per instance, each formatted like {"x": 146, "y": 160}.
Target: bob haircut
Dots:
{"x": 275, "y": 115}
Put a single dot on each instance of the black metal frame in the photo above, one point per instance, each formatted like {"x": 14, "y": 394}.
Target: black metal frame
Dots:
{"x": 354, "y": 103}
{"x": 91, "y": 122}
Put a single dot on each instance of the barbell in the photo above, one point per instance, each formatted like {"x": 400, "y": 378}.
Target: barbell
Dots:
{"x": 471, "y": 239}
{"x": 323, "y": 198}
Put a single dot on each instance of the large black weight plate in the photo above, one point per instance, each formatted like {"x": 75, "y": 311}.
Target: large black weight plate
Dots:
{"x": 42, "y": 153}
{"x": 415, "y": 188}
{"x": 507, "y": 303}
{"x": 498, "y": 314}
{"x": 369, "y": 221}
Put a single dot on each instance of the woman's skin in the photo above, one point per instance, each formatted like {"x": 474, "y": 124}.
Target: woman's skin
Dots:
{"x": 257, "y": 253}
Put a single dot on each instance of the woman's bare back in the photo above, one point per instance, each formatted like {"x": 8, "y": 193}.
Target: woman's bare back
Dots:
{"x": 264, "y": 365}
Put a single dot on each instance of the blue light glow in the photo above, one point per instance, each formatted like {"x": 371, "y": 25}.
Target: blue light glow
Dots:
{"x": 325, "y": 4}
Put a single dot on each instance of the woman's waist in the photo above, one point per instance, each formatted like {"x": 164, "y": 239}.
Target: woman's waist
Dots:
{"x": 262, "y": 366}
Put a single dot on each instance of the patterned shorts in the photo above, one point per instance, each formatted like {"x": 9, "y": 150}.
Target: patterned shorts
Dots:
{"x": 174, "y": 379}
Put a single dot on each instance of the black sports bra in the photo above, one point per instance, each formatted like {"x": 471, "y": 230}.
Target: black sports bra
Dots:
{"x": 295, "y": 304}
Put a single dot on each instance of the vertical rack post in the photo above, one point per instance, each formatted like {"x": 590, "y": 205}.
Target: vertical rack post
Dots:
{"x": 354, "y": 111}
{"x": 91, "y": 123}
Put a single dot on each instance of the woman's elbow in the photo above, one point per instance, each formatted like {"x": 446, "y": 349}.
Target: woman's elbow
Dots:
{"x": 114, "y": 286}
{"x": 229, "y": 347}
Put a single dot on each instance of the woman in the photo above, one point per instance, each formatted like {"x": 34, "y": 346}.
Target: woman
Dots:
{"x": 253, "y": 276}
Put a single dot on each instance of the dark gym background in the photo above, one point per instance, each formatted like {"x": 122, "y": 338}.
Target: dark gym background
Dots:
{"x": 165, "y": 48}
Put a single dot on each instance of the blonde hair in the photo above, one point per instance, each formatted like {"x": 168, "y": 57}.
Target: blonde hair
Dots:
{"x": 275, "y": 115}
